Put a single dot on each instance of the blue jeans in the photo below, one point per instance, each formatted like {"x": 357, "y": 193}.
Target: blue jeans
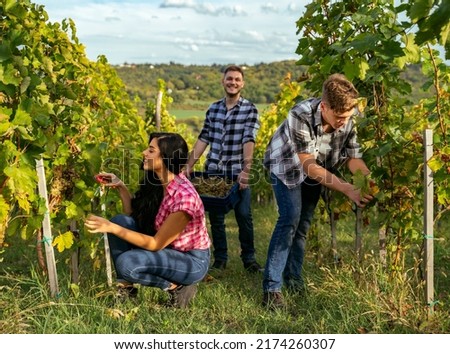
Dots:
{"x": 155, "y": 268}
{"x": 287, "y": 246}
{"x": 243, "y": 215}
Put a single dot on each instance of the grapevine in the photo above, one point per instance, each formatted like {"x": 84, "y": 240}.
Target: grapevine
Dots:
{"x": 58, "y": 105}
{"x": 354, "y": 43}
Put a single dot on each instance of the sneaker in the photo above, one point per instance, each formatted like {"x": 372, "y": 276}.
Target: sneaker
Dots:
{"x": 181, "y": 296}
{"x": 125, "y": 292}
{"x": 218, "y": 264}
{"x": 253, "y": 267}
{"x": 273, "y": 300}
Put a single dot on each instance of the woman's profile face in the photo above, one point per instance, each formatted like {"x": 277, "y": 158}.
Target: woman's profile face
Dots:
{"x": 152, "y": 156}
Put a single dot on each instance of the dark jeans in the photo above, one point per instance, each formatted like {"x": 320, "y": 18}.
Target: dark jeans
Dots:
{"x": 243, "y": 215}
{"x": 287, "y": 246}
{"x": 155, "y": 268}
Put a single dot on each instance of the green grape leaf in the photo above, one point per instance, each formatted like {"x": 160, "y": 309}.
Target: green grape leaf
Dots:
{"x": 22, "y": 182}
{"x": 71, "y": 209}
{"x": 361, "y": 182}
{"x": 419, "y": 8}
{"x": 5, "y": 51}
{"x": 22, "y": 118}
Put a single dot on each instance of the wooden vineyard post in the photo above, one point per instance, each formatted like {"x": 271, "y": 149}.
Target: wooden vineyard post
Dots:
{"x": 46, "y": 226}
{"x": 428, "y": 220}
{"x": 106, "y": 244}
{"x": 158, "y": 110}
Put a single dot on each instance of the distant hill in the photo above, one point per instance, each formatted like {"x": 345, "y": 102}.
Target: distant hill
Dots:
{"x": 196, "y": 86}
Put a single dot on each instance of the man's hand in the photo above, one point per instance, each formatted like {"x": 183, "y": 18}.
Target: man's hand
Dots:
{"x": 354, "y": 194}
{"x": 243, "y": 179}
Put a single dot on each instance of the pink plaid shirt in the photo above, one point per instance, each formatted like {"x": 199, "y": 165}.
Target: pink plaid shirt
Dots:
{"x": 182, "y": 196}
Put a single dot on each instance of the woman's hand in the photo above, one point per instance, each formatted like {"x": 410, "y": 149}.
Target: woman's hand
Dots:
{"x": 109, "y": 180}
{"x": 96, "y": 224}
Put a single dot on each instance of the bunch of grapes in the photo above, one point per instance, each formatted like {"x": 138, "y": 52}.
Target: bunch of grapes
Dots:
{"x": 63, "y": 182}
{"x": 213, "y": 186}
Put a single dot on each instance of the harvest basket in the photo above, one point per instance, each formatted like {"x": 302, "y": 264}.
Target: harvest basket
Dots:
{"x": 217, "y": 204}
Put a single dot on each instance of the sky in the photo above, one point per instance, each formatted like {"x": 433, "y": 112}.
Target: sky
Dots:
{"x": 185, "y": 32}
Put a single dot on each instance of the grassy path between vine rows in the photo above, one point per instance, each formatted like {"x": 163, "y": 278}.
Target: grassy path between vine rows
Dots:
{"x": 343, "y": 298}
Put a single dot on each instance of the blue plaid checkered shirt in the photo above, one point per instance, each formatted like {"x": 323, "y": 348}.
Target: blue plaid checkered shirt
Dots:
{"x": 302, "y": 132}
{"x": 226, "y": 132}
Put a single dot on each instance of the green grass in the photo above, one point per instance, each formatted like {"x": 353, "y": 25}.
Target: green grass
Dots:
{"x": 348, "y": 297}
{"x": 183, "y": 114}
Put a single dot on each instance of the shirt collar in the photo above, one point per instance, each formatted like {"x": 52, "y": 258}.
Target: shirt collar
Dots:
{"x": 317, "y": 118}
{"x": 238, "y": 103}
{"x": 173, "y": 185}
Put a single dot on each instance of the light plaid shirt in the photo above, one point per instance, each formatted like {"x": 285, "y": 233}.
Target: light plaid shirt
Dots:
{"x": 182, "y": 196}
{"x": 302, "y": 132}
{"x": 226, "y": 132}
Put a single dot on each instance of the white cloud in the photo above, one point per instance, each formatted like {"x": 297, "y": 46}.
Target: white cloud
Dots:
{"x": 292, "y": 7}
{"x": 184, "y": 31}
{"x": 269, "y": 7}
{"x": 204, "y": 8}
{"x": 112, "y": 18}
{"x": 189, "y": 47}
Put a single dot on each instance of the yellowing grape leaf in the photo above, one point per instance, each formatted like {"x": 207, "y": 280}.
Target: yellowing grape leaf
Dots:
{"x": 63, "y": 241}
{"x": 4, "y": 208}
{"x": 362, "y": 104}
{"x": 115, "y": 313}
{"x": 75, "y": 290}
{"x": 435, "y": 163}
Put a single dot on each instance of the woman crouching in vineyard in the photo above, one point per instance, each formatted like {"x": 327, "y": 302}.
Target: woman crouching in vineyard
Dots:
{"x": 162, "y": 241}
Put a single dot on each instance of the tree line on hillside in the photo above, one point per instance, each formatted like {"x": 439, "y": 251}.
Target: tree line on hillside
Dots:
{"x": 191, "y": 84}
{"x": 195, "y": 86}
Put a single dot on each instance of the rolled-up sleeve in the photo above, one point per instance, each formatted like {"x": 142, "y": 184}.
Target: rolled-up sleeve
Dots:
{"x": 251, "y": 126}
{"x": 204, "y": 134}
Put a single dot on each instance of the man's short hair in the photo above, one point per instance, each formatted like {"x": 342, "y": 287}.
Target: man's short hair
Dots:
{"x": 339, "y": 94}
{"x": 233, "y": 68}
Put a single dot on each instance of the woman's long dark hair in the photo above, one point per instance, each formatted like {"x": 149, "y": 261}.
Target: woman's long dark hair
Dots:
{"x": 147, "y": 200}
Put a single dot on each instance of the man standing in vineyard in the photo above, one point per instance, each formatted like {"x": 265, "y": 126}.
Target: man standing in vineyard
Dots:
{"x": 317, "y": 137}
{"x": 230, "y": 129}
